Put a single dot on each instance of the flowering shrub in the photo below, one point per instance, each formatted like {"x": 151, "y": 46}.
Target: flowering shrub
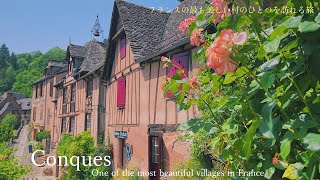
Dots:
{"x": 258, "y": 88}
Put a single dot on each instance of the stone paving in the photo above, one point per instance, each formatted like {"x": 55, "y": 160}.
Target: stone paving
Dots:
{"x": 23, "y": 153}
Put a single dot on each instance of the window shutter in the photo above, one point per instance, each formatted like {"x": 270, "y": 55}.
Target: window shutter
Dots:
{"x": 123, "y": 47}
{"x": 180, "y": 60}
{"x": 121, "y": 96}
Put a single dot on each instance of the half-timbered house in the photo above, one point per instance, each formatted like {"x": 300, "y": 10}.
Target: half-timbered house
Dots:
{"x": 140, "y": 121}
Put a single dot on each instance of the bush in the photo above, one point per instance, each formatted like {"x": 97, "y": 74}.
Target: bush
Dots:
{"x": 82, "y": 144}
{"x": 42, "y": 135}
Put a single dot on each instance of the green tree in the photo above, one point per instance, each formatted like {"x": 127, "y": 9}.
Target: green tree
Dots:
{"x": 13, "y": 61}
{"x": 10, "y": 78}
{"x": 4, "y": 56}
{"x": 24, "y": 80}
{"x": 7, "y": 127}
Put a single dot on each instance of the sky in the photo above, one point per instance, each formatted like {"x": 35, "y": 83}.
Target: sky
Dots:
{"x": 30, "y": 25}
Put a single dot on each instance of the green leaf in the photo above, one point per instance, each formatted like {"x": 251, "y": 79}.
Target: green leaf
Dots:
{"x": 317, "y": 19}
{"x": 270, "y": 64}
{"x": 182, "y": 81}
{"x": 293, "y": 171}
{"x": 175, "y": 87}
{"x": 248, "y": 137}
{"x": 269, "y": 172}
{"x": 308, "y": 26}
{"x": 272, "y": 46}
{"x": 230, "y": 78}
{"x": 185, "y": 87}
{"x": 312, "y": 141}
{"x": 267, "y": 125}
{"x": 188, "y": 125}
{"x": 285, "y": 146}
{"x": 180, "y": 98}
{"x": 241, "y": 71}
{"x": 293, "y": 22}
{"x": 280, "y": 31}
{"x": 267, "y": 79}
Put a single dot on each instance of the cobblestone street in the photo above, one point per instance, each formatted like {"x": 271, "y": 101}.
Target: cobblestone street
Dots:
{"x": 23, "y": 153}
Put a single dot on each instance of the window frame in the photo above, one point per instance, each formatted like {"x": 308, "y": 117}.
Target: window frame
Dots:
{"x": 73, "y": 97}
{"x": 89, "y": 84}
{"x": 51, "y": 89}
{"x": 63, "y": 125}
{"x": 71, "y": 125}
{"x": 88, "y": 118}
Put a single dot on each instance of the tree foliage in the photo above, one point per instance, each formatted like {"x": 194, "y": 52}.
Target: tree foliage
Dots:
{"x": 261, "y": 109}
{"x": 82, "y": 145}
{"x": 7, "y": 127}
{"x": 9, "y": 165}
{"x": 42, "y": 135}
{"x": 18, "y": 72}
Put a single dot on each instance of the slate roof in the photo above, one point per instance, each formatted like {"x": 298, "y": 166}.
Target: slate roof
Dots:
{"x": 64, "y": 68}
{"x": 25, "y": 104}
{"x": 172, "y": 34}
{"x": 4, "y": 108}
{"x": 54, "y": 63}
{"x": 15, "y": 95}
{"x": 95, "y": 56}
{"x": 172, "y": 37}
{"x": 143, "y": 26}
{"x": 76, "y": 50}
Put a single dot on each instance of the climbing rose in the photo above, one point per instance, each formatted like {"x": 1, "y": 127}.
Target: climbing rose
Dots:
{"x": 194, "y": 82}
{"x": 165, "y": 65}
{"x": 275, "y": 159}
{"x": 184, "y": 25}
{"x": 218, "y": 53}
{"x": 196, "y": 37}
{"x": 222, "y": 10}
{"x": 165, "y": 59}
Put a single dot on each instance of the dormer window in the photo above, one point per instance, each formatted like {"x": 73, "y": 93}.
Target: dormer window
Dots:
{"x": 123, "y": 47}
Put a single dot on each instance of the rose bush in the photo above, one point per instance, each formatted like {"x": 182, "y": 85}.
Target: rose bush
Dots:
{"x": 259, "y": 86}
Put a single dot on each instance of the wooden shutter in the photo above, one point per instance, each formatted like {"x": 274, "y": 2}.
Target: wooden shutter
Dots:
{"x": 121, "y": 96}
{"x": 123, "y": 47}
{"x": 180, "y": 60}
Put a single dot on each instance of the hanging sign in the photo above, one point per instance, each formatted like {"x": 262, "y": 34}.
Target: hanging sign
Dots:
{"x": 121, "y": 134}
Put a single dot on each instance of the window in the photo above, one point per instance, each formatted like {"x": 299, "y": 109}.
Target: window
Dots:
{"x": 88, "y": 122}
{"x": 64, "y": 100}
{"x": 180, "y": 62}
{"x": 63, "y": 125}
{"x": 121, "y": 94}
{"x": 89, "y": 87}
{"x": 36, "y": 90}
{"x": 123, "y": 47}
{"x": 73, "y": 98}
{"x": 41, "y": 89}
{"x": 51, "y": 88}
{"x": 155, "y": 150}
{"x": 71, "y": 126}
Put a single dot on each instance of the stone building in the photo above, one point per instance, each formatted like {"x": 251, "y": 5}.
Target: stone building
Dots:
{"x": 16, "y": 104}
